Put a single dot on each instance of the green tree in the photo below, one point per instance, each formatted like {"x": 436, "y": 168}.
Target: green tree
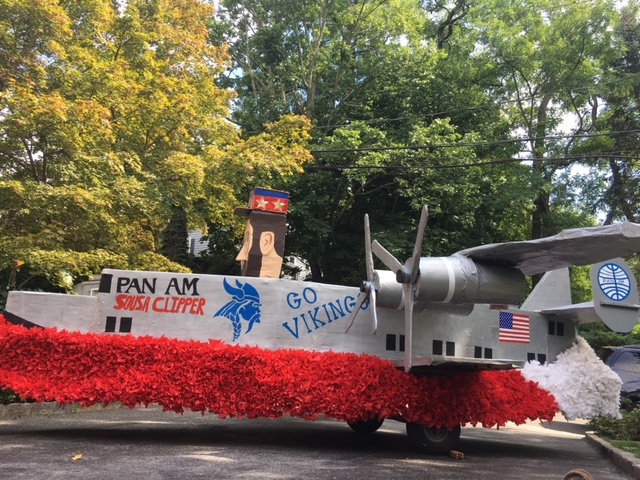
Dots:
{"x": 612, "y": 184}
{"x": 316, "y": 58}
{"x": 548, "y": 58}
{"x": 219, "y": 257}
{"x": 175, "y": 236}
{"x": 111, "y": 116}
{"x": 416, "y": 103}
{"x": 375, "y": 76}
{"x": 468, "y": 204}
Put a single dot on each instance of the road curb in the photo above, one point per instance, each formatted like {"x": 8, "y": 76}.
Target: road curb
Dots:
{"x": 13, "y": 411}
{"x": 626, "y": 461}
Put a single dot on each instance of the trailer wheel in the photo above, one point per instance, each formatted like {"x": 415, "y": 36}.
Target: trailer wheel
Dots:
{"x": 366, "y": 427}
{"x": 432, "y": 440}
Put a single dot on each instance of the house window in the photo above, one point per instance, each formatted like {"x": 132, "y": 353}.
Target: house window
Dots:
{"x": 437, "y": 347}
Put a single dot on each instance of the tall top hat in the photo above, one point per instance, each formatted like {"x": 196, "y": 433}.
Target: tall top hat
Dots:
{"x": 265, "y": 200}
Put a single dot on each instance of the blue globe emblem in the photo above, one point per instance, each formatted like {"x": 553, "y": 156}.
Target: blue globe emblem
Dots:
{"x": 614, "y": 282}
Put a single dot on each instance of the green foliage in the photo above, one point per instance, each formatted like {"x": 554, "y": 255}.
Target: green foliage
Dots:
{"x": 375, "y": 76}
{"x": 580, "y": 284}
{"x": 618, "y": 194}
{"x": 111, "y": 115}
{"x": 113, "y": 112}
{"x": 545, "y": 54}
{"x": 627, "y": 428}
{"x": 598, "y": 335}
{"x": 219, "y": 257}
{"x": 630, "y": 427}
{"x": 468, "y": 205}
{"x": 175, "y": 236}
{"x": 605, "y": 426}
{"x": 324, "y": 60}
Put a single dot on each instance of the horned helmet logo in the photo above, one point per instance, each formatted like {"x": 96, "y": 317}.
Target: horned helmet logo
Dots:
{"x": 245, "y": 305}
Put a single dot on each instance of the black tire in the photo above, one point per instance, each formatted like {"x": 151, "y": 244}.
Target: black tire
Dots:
{"x": 366, "y": 427}
{"x": 433, "y": 440}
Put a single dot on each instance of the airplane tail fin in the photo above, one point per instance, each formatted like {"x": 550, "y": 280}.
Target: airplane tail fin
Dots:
{"x": 615, "y": 294}
{"x": 615, "y": 297}
{"x": 553, "y": 290}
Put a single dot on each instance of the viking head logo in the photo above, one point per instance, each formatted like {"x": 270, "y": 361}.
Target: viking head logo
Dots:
{"x": 245, "y": 305}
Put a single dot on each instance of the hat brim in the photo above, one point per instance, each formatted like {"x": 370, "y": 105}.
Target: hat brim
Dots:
{"x": 242, "y": 212}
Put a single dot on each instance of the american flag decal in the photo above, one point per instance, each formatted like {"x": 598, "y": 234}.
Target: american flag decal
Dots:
{"x": 514, "y": 328}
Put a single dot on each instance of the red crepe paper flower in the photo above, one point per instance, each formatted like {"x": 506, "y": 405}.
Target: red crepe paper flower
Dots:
{"x": 241, "y": 381}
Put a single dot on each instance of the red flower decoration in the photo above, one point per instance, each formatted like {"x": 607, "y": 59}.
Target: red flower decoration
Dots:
{"x": 240, "y": 381}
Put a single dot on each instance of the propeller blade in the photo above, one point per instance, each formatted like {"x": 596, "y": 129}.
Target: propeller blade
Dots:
{"x": 369, "y": 293}
{"x": 417, "y": 249}
{"x": 383, "y": 254}
{"x": 368, "y": 288}
{"x": 408, "y": 324}
{"x": 372, "y": 306}
{"x": 361, "y": 299}
{"x": 367, "y": 247}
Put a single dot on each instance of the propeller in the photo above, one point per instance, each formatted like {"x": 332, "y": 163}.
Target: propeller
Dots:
{"x": 408, "y": 275}
{"x": 368, "y": 287}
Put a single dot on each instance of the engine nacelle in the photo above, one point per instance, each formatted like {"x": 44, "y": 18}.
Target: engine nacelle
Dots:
{"x": 454, "y": 284}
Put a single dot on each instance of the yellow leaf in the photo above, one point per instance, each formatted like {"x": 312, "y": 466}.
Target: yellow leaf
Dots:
{"x": 77, "y": 457}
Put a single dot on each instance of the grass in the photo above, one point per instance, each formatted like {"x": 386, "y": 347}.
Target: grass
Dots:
{"x": 626, "y": 446}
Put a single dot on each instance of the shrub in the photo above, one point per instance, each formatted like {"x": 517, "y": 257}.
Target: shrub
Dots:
{"x": 627, "y": 428}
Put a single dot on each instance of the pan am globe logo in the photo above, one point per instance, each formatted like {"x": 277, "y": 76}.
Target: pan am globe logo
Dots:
{"x": 614, "y": 282}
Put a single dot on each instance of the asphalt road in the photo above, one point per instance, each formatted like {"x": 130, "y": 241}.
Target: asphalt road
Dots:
{"x": 148, "y": 444}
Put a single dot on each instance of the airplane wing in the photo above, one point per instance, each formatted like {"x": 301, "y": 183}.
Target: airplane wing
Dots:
{"x": 573, "y": 247}
{"x": 579, "y": 312}
{"x": 457, "y": 364}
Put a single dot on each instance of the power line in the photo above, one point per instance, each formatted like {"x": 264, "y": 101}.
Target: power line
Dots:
{"x": 471, "y": 144}
{"x": 469, "y": 165}
{"x": 481, "y": 107}
{"x": 629, "y": 77}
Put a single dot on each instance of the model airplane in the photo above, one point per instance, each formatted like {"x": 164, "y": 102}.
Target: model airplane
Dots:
{"x": 417, "y": 314}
